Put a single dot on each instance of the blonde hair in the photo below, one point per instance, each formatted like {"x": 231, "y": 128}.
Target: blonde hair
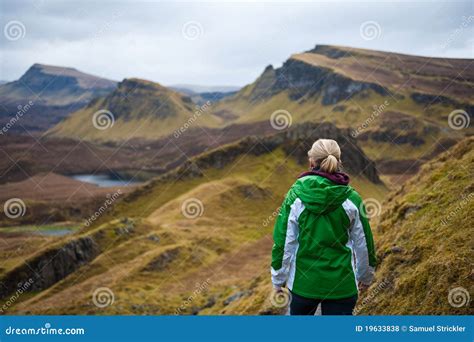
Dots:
{"x": 327, "y": 154}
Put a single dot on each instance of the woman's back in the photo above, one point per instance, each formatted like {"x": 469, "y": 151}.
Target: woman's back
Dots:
{"x": 323, "y": 245}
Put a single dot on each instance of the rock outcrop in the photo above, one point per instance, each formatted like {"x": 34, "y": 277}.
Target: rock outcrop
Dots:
{"x": 303, "y": 81}
{"x": 50, "y": 266}
{"x": 295, "y": 142}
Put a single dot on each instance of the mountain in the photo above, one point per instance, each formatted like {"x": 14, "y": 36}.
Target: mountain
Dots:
{"x": 46, "y": 94}
{"x": 191, "y": 89}
{"x": 204, "y": 226}
{"x": 211, "y": 95}
{"x": 397, "y": 105}
{"x": 136, "y": 109}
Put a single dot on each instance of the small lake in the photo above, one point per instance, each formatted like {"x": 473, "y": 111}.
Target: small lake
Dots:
{"x": 104, "y": 180}
{"x": 54, "y": 232}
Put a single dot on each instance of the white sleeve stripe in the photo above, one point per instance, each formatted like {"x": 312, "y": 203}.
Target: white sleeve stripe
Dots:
{"x": 287, "y": 270}
{"x": 364, "y": 272}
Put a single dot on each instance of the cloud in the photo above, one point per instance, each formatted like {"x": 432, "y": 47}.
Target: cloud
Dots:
{"x": 118, "y": 39}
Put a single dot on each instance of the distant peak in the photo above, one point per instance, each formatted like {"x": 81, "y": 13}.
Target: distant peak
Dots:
{"x": 42, "y": 73}
{"x": 140, "y": 83}
{"x": 330, "y": 51}
{"x": 268, "y": 68}
{"x": 50, "y": 68}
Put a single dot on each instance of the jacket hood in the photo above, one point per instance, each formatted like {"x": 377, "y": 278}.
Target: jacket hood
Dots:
{"x": 337, "y": 177}
{"x": 319, "y": 194}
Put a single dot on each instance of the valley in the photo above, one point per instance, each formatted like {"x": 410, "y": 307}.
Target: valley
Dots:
{"x": 162, "y": 200}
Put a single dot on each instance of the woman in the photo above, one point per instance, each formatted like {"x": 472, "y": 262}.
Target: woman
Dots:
{"x": 323, "y": 248}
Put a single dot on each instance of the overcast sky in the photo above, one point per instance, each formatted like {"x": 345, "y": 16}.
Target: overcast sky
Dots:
{"x": 217, "y": 43}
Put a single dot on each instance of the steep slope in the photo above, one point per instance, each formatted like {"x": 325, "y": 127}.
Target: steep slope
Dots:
{"x": 425, "y": 241}
{"x": 136, "y": 109}
{"x": 191, "y": 241}
{"x": 389, "y": 100}
{"x": 46, "y": 94}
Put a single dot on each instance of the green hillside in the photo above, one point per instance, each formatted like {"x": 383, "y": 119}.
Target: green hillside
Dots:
{"x": 397, "y": 105}
{"x": 205, "y": 227}
{"x": 136, "y": 109}
{"x": 424, "y": 241}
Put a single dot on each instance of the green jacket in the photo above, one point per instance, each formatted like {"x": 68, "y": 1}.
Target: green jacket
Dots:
{"x": 323, "y": 244}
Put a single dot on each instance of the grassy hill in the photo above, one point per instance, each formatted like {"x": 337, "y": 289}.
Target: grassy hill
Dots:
{"x": 138, "y": 108}
{"x": 197, "y": 240}
{"x": 424, "y": 241}
{"x": 397, "y": 105}
{"x": 201, "y": 231}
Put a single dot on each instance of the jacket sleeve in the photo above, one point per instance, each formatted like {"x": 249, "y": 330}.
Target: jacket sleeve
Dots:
{"x": 285, "y": 237}
{"x": 362, "y": 244}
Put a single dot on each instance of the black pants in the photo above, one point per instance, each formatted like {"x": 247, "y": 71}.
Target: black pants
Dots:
{"x": 306, "y": 306}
